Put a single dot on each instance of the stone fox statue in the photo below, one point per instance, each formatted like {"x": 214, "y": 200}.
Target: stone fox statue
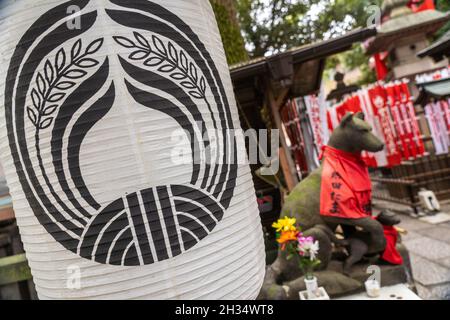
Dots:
{"x": 353, "y": 135}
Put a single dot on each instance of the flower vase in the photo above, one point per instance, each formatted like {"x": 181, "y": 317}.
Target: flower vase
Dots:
{"x": 311, "y": 287}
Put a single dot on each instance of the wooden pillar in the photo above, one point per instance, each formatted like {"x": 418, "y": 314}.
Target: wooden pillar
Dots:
{"x": 284, "y": 164}
{"x": 286, "y": 161}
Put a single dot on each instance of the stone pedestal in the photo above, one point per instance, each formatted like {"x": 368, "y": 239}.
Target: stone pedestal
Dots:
{"x": 335, "y": 282}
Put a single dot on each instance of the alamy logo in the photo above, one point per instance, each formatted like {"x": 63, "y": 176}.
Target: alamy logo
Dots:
{"x": 60, "y": 85}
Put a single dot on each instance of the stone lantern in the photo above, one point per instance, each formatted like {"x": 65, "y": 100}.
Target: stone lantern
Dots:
{"x": 402, "y": 34}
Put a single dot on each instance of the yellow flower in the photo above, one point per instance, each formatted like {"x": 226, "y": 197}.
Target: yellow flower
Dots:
{"x": 285, "y": 224}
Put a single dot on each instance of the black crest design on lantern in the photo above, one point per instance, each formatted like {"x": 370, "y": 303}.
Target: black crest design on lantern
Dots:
{"x": 55, "y": 73}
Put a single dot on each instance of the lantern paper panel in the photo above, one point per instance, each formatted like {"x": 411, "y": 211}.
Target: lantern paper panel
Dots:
{"x": 119, "y": 148}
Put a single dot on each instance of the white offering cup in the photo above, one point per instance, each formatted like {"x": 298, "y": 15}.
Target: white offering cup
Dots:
{"x": 372, "y": 288}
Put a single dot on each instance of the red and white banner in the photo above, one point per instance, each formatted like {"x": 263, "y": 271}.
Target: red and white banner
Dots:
{"x": 389, "y": 110}
{"x": 437, "y": 115}
{"x": 314, "y": 113}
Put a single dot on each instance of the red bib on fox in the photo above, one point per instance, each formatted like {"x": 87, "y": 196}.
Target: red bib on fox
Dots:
{"x": 346, "y": 191}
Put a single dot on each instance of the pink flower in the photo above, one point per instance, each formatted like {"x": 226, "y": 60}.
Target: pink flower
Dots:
{"x": 308, "y": 247}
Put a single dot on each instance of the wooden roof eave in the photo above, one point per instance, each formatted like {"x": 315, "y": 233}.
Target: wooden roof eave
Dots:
{"x": 437, "y": 89}
{"x": 303, "y": 54}
{"x": 438, "y": 49}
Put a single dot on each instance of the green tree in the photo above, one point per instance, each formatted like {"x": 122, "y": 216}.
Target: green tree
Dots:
{"x": 233, "y": 43}
{"x": 352, "y": 59}
{"x": 444, "y": 6}
{"x": 340, "y": 16}
{"x": 271, "y": 26}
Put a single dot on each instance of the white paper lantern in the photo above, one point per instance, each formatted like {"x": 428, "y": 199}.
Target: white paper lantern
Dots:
{"x": 95, "y": 95}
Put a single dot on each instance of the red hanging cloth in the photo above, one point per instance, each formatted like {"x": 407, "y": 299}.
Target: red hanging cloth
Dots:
{"x": 421, "y": 5}
{"x": 391, "y": 253}
{"x": 346, "y": 190}
{"x": 380, "y": 67}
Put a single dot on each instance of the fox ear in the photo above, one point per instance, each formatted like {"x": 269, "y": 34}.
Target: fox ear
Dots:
{"x": 360, "y": 115}
{"x": 346, "y": 119}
